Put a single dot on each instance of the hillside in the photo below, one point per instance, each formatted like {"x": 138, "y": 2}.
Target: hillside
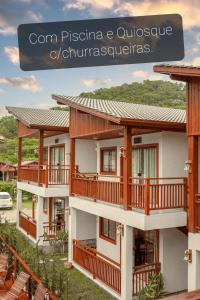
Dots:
{"x": 159, "y": 93}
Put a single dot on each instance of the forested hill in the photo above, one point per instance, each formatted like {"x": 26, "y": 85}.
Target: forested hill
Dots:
{"x": 159, "y": 93}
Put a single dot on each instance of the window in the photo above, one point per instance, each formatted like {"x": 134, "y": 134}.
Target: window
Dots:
{"x": 45, "y": 205}
{"x": 107, "y": 230}
{"x": 109, "y": 160}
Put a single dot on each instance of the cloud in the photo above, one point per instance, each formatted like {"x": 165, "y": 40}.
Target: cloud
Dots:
{"x": 196, "y": 61}
{"x": 29, "y": 83}
{"x": 5, "y": 27}
{"x": 187, "y": 9}
{"x": 140, "y": 74}
{"x": 93, "y": 6}
{"x": 90, "y": 82}
{"x": 34, "y": 17}
{"x": 12, "y": 54}
{"x": 2, "y": 91}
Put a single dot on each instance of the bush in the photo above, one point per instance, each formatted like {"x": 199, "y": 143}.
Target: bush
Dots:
{"x": 9, "y": 188}
{"x": 154, "y": 288}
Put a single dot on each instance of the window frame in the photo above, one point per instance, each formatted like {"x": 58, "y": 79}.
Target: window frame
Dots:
{"x": 102, "y": 172}
{"x": 45, "y": 205}
{"x": 107, "y": 238}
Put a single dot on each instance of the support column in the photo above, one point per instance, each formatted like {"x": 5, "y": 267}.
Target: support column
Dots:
{"x": 127, "y": 172}
{"x": 19, "y": 205}
{"x": 72, "y": 163}
{"x": 39, "y": 220}
{"x": 40, "y": 158}
{"x": 193, "y": 179}
{"x": 19, "y": 156}
{"x": 127, "y": 263}
{"x": 71, "y": 232}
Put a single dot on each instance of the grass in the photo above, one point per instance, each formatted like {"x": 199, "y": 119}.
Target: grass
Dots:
{"x": 25, "y": 204}
{"x": 73, "y": 284}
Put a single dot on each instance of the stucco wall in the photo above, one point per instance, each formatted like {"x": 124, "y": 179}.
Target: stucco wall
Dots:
{"x": 85, "y": 225}
{"x": 109, "y": 249}
{"x": 173, "y": 244}
{"x": 194, "y": 266}
{"x": 85, "y": 155}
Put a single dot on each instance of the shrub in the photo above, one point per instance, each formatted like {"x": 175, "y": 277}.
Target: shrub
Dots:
{"x": 8, "y": 187}
{"x": 154, "y": 288}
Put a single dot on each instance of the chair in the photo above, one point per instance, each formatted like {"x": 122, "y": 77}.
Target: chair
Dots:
{"x": 40, "y": 292}
{"x": 16, "y": 288}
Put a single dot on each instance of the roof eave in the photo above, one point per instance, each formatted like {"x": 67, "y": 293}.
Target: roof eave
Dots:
{"x": 178, "y": 71}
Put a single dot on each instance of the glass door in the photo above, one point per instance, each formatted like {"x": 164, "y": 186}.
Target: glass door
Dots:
{"x": 144, "y": 162}
{"x": 57, "y": 159}
{"x": 59, "y": 212}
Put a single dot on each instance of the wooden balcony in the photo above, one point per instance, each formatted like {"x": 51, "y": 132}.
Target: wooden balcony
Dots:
{"x": 141, "y": 275}
{"x": 28, "y": 224}
{"x": 51, "y": 230}
{"x": 147, "y": 194}
{"x": 100, "y": 266}
{"x": 47, "y": 175}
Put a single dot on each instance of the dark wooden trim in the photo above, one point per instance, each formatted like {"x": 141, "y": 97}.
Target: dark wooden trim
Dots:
{"x": 176, "y": 70}
{"x": 50, "y": 209}
{"x": 19, "y": 156}
{"x": 114, "y": 148}
{"x": 127, "y": 165}
{"x": 103, "y": 237}
{"x": 72, "y": 163}
{"x": 40, "y": 158}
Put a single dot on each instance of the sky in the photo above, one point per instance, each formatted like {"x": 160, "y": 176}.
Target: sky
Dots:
{"x": 20, "y": 88}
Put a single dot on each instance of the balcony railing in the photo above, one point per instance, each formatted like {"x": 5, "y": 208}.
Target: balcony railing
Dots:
{"x": 28, "y": 224}
{"x": 158, "y": 193}
{"x": 45, "y": 175}
{"x": 52, "y": 229}
{"x": 147, "y": 194}
{"x": 91, "y": 187}
{"x": 141, "y": 275}
{"x": 100, "y": 266}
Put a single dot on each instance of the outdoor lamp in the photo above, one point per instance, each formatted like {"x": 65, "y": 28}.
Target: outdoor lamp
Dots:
{"x": 120, "y": 229}
{"x": 188, "y": 255}
{"x": 187, "y": 167}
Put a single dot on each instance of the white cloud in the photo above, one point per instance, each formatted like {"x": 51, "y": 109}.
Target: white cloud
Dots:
{"x": 34, "y": 17}
{"x": 29, "y": 83}
{"x": 2, "y": 91}
{"x": 196, "y": 61}
{"x": 140, "y": 74}
{"x": 12, "y": 54}
{"x": 187, "y": 9}
{"x": 5, "y": 27}
{"x": 90, "y": 82}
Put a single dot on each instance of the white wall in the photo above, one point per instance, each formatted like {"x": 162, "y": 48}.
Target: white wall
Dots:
{"x": 173, "y": 244}
{"x": 194, "y": 267}
{"x": 85, "y": 225}
{"x": 62, "y": 139}
{"x": 109, "y": 249}
{"x": 86, "y": 156}
{"x": 172, "y": 152}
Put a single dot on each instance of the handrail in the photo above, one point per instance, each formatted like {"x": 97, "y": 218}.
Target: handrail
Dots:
{"x": 29, "y": 218}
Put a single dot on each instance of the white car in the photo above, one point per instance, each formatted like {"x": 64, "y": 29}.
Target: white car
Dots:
{"x": 5, "y": 200}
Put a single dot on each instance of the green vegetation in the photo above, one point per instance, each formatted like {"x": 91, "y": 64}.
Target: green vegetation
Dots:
{"x": 68, "y": 284}
{"x": 159, "y": 93}
{"x": 154, "y": 288}
{"x": 8, "y": 187}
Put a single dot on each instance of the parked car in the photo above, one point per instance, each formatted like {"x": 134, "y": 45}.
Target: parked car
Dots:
{"x": 5, "y": 200}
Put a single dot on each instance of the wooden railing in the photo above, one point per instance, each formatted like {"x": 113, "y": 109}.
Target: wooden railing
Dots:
{"x": 141, "y": 275}
{"x": 19, "y": 263}
{"x": 91, "y": 187}
{"x": 197, "y": 212}
{"x": 28, "y": 224}
{"x": 47, "y": 175}
{"x": 158, "y": 193}
{"x": 101, "y": 267}
{"x": 51, "y": 230}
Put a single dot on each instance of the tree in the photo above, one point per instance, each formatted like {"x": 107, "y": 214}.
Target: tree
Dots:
{"x": 8, "y": 127}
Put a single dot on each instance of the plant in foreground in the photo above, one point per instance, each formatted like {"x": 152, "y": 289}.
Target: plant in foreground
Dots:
{"x": 154, "y": 288}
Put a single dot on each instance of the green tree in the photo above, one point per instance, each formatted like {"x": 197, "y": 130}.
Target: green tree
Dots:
{"x": 8, "y": 127}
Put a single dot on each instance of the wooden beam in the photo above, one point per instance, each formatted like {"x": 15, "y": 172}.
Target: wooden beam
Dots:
{"x": 193, "y": 180}
{"x": 72, "y": 163}
{"x": 19, "y": 156}
{"x": 127, "y": 165}
{"x": 40, "y": 158}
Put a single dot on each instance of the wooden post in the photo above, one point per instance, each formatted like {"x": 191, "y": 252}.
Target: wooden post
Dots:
{"x": 72, "y": 164}
{"x": 127, "y": 167}
{"x": 192, "y": 180}
{"x": 19, "y": 157}
{"x": 185, "y": 181}
{"x": 40, "y": 158}
{"x": 147, "y": 196}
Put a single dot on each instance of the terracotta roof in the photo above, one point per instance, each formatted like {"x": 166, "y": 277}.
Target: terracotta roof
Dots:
{"x": 179, "y": 70}
{"x": 178, "y": 66}
{"x": 123, "y": 110}
{"x": 40, "y": 117}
